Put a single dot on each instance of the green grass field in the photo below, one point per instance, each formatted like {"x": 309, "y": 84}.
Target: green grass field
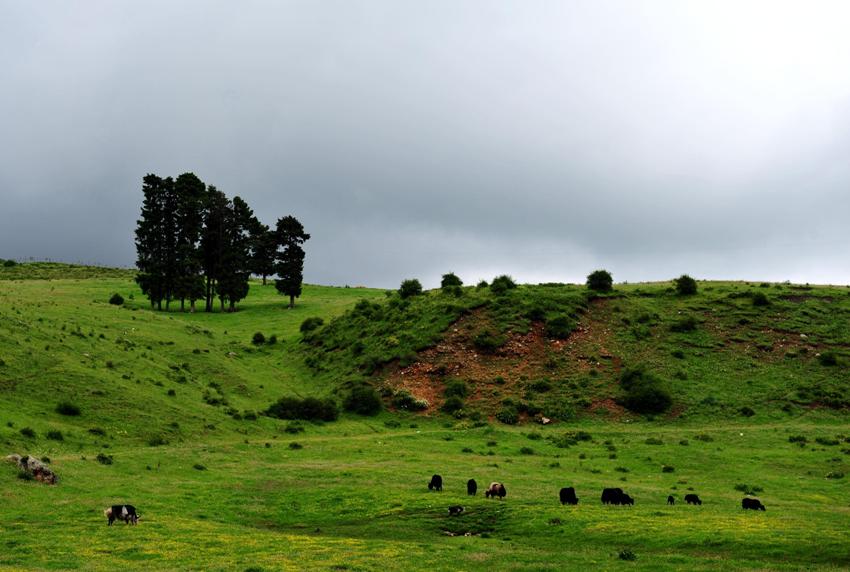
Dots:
{"x": 165, "y": 395}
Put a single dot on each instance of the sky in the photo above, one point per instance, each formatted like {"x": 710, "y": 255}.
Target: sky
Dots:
{"x": 538, "y": 139}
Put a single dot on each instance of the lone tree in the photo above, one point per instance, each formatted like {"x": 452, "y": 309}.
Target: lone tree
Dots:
{"x": 449, "y": 280}
{"x": 289, "y": 257}
{"x": 600, "y": 281}
{"x": 685, "y": 285}
{"x": 411, "y": 287}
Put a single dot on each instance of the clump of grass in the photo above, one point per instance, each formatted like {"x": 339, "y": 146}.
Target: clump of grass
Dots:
{"x": 526, "y": 451}
{"x": 748, "y": 489}
{"x": 199, "y": 467}
{"x": 293, "y": 428}
{"x": 667, "y": 469}
{"x": 746, "y": 411}
{"x": 55, "y": 435}
{"x": 104, "y": 459}
{"x": 653, "y": 441}
{"x": 828, "y": 359}
{"x": 295, "y": 446}
{"x": 97, "y": 431}
{"x": 258, "y": 339}
{"x": 28, "y": 432}
{"x": 627, "y": 555}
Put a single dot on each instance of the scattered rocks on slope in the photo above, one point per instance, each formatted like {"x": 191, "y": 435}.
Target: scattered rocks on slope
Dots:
{"x": 40, "y": 471}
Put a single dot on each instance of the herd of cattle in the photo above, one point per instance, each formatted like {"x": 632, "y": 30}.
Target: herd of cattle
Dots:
{"x": 614, "y": 496}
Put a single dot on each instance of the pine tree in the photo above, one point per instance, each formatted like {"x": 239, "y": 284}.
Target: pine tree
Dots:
{"x": 263, "y": 251}
{"x": 234, "y": 270}
{"x": 149, "y": 241}
{"x": 213, "y": 241}
{"x": 190, "y": 197}
{"x": 290, "y": 257}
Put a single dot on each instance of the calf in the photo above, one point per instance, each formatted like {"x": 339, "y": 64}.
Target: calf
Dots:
{"x": 568, "y": 496}
{"x": 751, "y": 504}
{"x": 496, "y": 490}
{"x": 455, "y": 510}
{"x": 692, "y": 499}
{"x": 436, "y": 483}
{"x": 471, "y": 487}
{"x": 671, "y": 500}
{"x": 125, "y": 512}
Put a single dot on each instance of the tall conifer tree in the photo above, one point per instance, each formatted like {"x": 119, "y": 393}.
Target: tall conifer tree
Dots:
{"x": 290, "y": 257}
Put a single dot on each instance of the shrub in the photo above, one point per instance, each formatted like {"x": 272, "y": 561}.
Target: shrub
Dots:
{"x": 488, "y": 342}
{"x": 295, "y": 446}
{"x": 410, "y": 288}
{"x": 667, "y": 469}
{"x": 456, "y": 388}
{"x": 526, "y": 451}
{"x": 25, "y": 475}
{"x": 828, "y": 359}
{"x": 97, "y": 431}
{"x": 835, "y": 475}
{"x": 760, "y": 299}
{"x": 508, "y": 416}
{"x": 258, "y": 339}
{"x": 687, "y": 324}
{"x": 104, "y": 459}
{"x": 199, "y": 467}
{"x": 541, "y": 386}
{"x": 826, "y": 441}
{"x": 9, "y": 263}
{"x": 67, "y": 408}
{"x": 685, "y": 285}
{"x": 482, "y": 284}
{"x": 645, "y": 393}
{"x": 502, "y": 284}
{"x": 311, "y": 324}
{"x": 746, "y": 411}
{"x": 116, "y": 299}
{"x": 704, "y": 438}
{"x": 800, "y": 439}
{"x": 452, "y": 405}
{"x": 628, "y": 555}
{"x": 55, "y": 435}
{"x": 450, "y": 280}
{"x": 403, "y": 399}
{"x": 309, "y": 408}
{"x": 653, "y": 441}
{"x": 272, "y": 340}
{"x": 28, "y": 432}
{"x": 600, "y": 281}
{"x": 559, "y": 328}
{"x": 747, "y": 489}
{"x": 293, "y": 428}
{"x": 678, "y": 354}
{"x": 363, "y": 400}
{"x": 172, "y": 393}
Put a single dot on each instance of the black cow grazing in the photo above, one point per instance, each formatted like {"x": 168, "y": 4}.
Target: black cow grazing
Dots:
{"x": 671, "y": 500}
{"x": 436, "y": 483}
{"x": 125, "y": 512}
{"x": 455, "y": 510}
{"x": 752, "y": 504}
{"x": 692, "y": 499}
{"x": 612, "y": 496}
{"x": 568, "y": 495}
{"x": 627, "y": 500}
{"x": 496, "y": 490}
{"x": 471, "y": 487}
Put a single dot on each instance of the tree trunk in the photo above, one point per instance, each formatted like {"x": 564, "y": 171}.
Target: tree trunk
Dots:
{"x": 291, "y": 302}
{"x": 232, "y": 306}
{"x": 182, "y": 304}
{"x": 192, "y": 306}
{"x": 264, "y": 279}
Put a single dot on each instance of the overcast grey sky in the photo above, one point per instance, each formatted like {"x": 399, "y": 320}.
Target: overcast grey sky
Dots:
{"x": 538, "y": 139}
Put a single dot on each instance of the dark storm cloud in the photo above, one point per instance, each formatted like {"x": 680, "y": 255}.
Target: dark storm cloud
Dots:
{"x": 538, "y": 139}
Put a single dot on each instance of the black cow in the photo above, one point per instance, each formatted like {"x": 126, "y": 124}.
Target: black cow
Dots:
{"x": 496, "y": 490}
{"x": 752, "y": 504}
{"x": 471, "y": 487}
{"x": 436, "y": 483}
{"x": 568, "y": 495}
{"x": 627, "y": 500}
{"x": 125, "y": 512}
{"x": 612, "y": 496}
{"x": 692, "y": 499}
{"x": 455, "y": 510}
{"x": 671, "y": 500}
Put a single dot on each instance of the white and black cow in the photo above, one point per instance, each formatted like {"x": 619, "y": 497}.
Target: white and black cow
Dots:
{"x": 125, "y": 512}
{"x": 496, "y": 490}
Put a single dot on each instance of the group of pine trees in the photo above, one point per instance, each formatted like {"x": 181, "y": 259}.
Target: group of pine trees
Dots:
{"x": 194, "y": 243}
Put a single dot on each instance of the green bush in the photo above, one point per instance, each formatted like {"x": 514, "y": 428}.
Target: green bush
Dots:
{"x": 104, "y": 459}
{"x": 258, "y": 339}
{"x": 406, "y": 401}
{"x": 450, "y": 280}
{"x": 746, "y": 411}
{"x": 482, "y": 284}
{"x": 67, "y": 408}
{"x": 760, "y": 299}
{"x": 9, "y": 263}
{"x": 502, "y": 284}
{"x": 644, "y": 393}
{"x": 628, "y": 555}
{"x": 456, "y": 388}
{"x": 311, "y": 324}
{"x": 309, "y": 408}
{"x": 28, "y": 432}
{"x": 508, "y": 416}
{"x": 685, "y": 285}
{"x": 452, "y": 404}
{"x": 363, "y": 400}
{"x": 116, "y": 299}
{"x": 488, "y": 342}
{"x": 683, "y": 325}
{"x": 410, "y": 288}
{"x": 600, "y": 281}
{"x": 560, "y": 327}
{"x": 828, "y": 359}
{"x": 55, "y": 435}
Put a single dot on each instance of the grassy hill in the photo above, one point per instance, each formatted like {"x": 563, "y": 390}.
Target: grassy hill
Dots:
{"x": 165, "y": 400}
